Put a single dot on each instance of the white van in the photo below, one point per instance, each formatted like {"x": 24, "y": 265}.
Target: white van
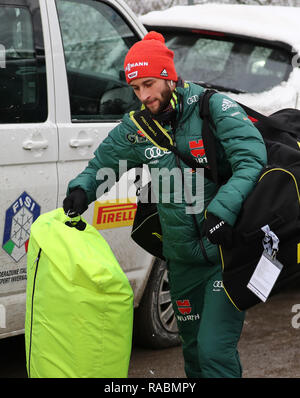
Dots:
{"x": 62, "y": 89}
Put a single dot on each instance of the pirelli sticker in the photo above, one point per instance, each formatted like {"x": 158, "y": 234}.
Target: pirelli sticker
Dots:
{"x": 116, "y": 214}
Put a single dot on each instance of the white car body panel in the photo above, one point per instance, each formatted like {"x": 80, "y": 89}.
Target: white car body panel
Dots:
{"x": 39, "y": 159}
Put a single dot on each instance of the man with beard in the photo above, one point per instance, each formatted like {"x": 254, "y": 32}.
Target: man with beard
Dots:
{"x": 212, "y": 329}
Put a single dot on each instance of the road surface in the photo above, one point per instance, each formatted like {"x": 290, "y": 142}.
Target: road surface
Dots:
{"x": 269, "y": 346}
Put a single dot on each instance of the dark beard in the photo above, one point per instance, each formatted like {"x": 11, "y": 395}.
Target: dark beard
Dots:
{"x": 166, "y": 113}
{"x": 166, "y": 97}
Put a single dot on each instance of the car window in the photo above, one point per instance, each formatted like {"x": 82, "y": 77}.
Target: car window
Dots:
{"x": 96, "y": 39}
{"x": 246, "y": 66}
{"x": 22, "y": 67}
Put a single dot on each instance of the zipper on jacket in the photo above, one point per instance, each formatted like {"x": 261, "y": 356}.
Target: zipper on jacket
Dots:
{"x": 37, "y": 260}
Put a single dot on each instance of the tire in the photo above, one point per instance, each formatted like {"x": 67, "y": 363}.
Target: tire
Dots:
{"x": 155, "y": 323}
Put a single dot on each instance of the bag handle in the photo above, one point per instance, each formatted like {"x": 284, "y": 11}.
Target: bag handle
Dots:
{"x": 76, "y": 222}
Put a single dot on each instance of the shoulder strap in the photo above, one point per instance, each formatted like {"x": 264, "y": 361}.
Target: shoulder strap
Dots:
{"x": 264, "y": 120}
{"x": 161, "y": 138}
{"x": 207, "y": 135}
{"x": 152, "y": 129}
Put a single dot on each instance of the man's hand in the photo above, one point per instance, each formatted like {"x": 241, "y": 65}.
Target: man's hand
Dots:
{"x": 218, "y": 231}
{"x": 75, "y": 203}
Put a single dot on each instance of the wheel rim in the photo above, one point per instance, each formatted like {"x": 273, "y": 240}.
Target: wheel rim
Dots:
{"x": 165, "y": 309}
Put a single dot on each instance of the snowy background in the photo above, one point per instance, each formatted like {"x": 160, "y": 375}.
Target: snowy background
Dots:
{"x": 281, "y": 96}
{"x": 143, "y": 6}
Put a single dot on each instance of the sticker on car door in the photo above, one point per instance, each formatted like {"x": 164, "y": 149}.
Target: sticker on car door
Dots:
{"x": 18, "y": 220}
{"x": 116, "y": 214}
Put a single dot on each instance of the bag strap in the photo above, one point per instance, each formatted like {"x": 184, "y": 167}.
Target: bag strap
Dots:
{"x": 152, "y": 129}
{"x": 195, "y": 221}
{"x": 207, "y": 135}
{"x": 160, "y": 137}
{"x": 266, "y": 120}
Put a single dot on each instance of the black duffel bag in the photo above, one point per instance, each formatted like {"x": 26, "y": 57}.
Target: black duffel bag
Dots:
{"x": 274, "y": 201}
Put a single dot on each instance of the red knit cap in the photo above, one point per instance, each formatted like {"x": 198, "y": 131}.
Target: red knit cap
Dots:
{"x": 150, "y": 57}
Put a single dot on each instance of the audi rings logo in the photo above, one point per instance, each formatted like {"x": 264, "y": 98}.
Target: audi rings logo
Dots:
{"x": 154, "y": 153}
{"x": 194, "y": 98}
{"x": 217, "y": 286}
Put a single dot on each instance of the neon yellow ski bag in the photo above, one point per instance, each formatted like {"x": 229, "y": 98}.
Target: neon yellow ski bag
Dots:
{"x": 79, "y": 305}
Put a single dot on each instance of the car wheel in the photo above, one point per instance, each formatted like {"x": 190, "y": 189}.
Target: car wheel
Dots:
{"x": 155, "y": 323}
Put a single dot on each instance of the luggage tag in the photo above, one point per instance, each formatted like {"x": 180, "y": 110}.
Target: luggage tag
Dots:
{"x": 268, "y": 268}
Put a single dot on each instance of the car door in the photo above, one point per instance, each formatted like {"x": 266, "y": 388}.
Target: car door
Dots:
{"x": 29, "y": 146}
{"x": 90, "y": 42}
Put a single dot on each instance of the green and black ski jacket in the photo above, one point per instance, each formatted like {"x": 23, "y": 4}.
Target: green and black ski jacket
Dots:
{"x": 241, "y": 154}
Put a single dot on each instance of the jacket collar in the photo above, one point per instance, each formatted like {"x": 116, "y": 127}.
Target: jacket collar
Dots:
{"x": 190, "y": 94}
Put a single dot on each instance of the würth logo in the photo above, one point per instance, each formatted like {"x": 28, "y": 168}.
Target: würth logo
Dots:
{"x": 184, "y": 306}
{"x": 197, "y": 148}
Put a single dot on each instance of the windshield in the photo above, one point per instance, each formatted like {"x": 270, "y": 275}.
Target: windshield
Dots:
{"x": 231, "y": 63}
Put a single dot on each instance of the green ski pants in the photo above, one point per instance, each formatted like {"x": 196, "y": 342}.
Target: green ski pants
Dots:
{"x": 209, "y": 324}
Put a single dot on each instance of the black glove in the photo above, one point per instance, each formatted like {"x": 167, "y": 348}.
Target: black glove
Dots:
{"x": 75, "y": 203}
{"x": 218, "y": 231}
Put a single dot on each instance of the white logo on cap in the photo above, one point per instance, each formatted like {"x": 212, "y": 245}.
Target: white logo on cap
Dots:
{"x": 132, "y": 74}
{"x": 135, "y": 64}
{"x": 164, "y": 73}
